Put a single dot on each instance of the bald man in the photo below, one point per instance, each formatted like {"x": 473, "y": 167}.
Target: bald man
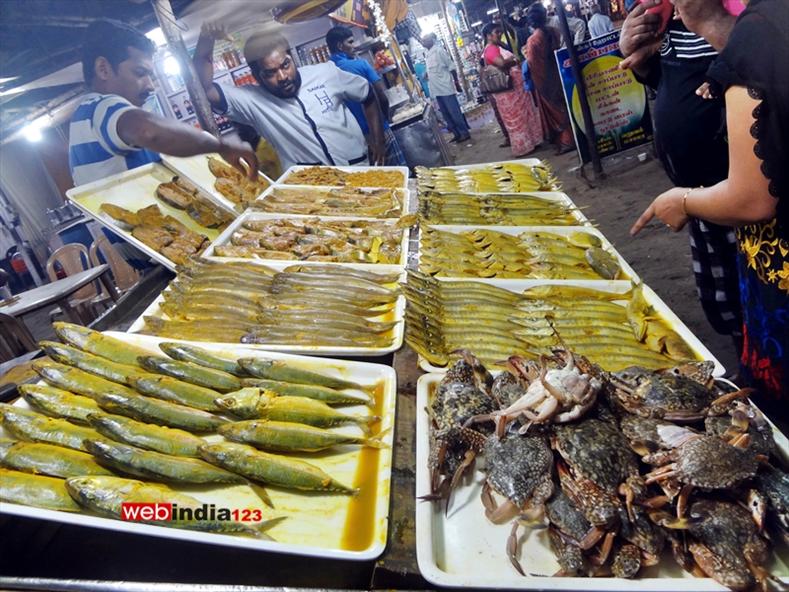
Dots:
{"x": 300, "y": 111}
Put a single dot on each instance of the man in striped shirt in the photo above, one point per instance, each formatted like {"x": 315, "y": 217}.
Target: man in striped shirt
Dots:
{"x": 109, "y": 132}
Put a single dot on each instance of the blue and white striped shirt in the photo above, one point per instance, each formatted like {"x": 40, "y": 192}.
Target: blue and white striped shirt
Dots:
{"x": 95, "y": 149}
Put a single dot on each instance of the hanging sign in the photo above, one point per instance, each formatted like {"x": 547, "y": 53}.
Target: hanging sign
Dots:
{"x": 617, "y": 100}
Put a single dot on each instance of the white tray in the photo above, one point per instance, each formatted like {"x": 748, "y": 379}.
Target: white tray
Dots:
{"x": 619, "y": 287}
{"x": 254, "y": 215}
{"x": 316, "y": 522}
{"x": 405, "y": 195}
{"x": 283, "y": 180}
{"x": 482, "y": 165}
{"x": 558, "y": 196}
{"x": 560, "y": 230}
{"x": 462, "y": 549}
{"x": 133, "y": 190}
{"x": 195, "y": 169}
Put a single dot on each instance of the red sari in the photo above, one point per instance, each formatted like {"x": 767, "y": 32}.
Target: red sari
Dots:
{"x": 548, "y": 86}
{"x": 519, "y": 114}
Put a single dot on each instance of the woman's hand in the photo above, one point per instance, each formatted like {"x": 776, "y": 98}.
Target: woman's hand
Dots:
{"x": 668, "y": 208}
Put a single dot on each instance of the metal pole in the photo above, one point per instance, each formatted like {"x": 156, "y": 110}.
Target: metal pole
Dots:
{"x": 166, "y": 18}
{"x": 591, "y": 139}
{"x": 505, "y": 29}
{"x": 453, "y": 48}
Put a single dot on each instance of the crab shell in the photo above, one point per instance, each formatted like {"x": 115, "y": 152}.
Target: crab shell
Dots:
{"x": 711, "y": 463}
{"x": 627, "y": 562}
{"x": 519, "y": 468}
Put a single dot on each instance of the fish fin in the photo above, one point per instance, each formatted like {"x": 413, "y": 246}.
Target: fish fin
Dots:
{"x": 261, "y": 527}
{"x": 261, "y": 492}
{"x": 377, "y": 440}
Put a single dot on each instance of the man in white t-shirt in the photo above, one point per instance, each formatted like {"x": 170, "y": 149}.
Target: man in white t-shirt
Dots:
{"x": 599, "y": 24}
{"x": 299, "y": 111}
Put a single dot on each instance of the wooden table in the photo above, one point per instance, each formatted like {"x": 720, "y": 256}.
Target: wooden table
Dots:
{"x": 58, "y": 292}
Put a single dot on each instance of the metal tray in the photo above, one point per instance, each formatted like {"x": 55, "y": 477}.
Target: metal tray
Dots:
{"x": 560, "y": 230}
{"x": 405, "y": 195}
{"x": 316, "y": 523}
{"x": 134, "y": 190}
{"x": 283, "y": 180}
{"x": 620, "y": 287}
{"x": 253, "y": 215}
{"x": 462, "y": 549}
{"x": 195, "y": 169}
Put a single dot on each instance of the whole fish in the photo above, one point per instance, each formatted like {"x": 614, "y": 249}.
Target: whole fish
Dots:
{"x": 192, "y": 373}
{"x": 34, "y": 427}
{"x": 151, "y": 410}
{"x": 58, "y": 403}
{"x": 47, "y": 459}
{"x": 103, "y": 367}
{"x": 101, "y": 345}
{"x": 281, "y": 371}
{"x": 17, "y": 487}
{"x": 77, "y": 381}
{"x": 202, "y": 357}
{"x": 106, "y": 496}
{"x": 272, "y": 469}
{"x": 145, "y": 435}
{"x": 176, "y": 391}
{"x": 337, "y": 270}
{"x": 319, "y": 393}
{"x": 267, "y": 405}
{"x": 281, "y": 436}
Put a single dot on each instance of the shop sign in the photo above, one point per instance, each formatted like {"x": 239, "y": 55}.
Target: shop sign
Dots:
{"x": 618, "y": 102}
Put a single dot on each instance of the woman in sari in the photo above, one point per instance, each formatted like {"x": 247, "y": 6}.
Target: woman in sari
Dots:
{"x": 751, "y": 74}
{"x": 518, "y": 114}
{"x": 545, "y": 74}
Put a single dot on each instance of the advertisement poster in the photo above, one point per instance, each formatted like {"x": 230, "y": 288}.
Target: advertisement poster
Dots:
{"x": 617, "y": 100}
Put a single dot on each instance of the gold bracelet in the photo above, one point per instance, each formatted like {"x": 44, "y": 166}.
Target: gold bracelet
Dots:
{"x": 685, "y": 199}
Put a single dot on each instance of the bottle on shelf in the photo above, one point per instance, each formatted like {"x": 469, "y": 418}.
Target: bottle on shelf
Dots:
{"x": 177, "y": 111}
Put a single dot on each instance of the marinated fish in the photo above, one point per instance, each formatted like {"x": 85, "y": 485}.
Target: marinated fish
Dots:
{"x": 145, "y": 435}
{"x": 49, "y": 493}
{"x": 281, "y": 436}
{"x": 47, "y": 459}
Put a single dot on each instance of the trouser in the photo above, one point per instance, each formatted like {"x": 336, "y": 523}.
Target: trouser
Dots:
{"x": 456, "y": 121}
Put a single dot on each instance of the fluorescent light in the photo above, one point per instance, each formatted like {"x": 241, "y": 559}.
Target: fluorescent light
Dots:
{"x": 547, "y": 3}
{"x": 12, "y": 91}
{"x": 492, "y": 11}
{"x": 32, "y": 131}
{"x": 476, "y": 24}
{"x": 157, "y": 36}
{"x": 171, "y": 66}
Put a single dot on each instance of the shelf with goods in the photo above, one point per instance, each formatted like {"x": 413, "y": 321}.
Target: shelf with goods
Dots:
{"x": 312, "y": 52}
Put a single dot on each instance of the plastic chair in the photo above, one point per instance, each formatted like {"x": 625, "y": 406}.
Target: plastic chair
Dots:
{"x": 124, "y": 275}
{"x": 73, "y": 258}
{"x": 15, "y": 338}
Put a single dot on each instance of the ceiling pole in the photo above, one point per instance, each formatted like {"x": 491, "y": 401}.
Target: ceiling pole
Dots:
{"x": 580, "y": 85}
{"x": 175, "y": 43}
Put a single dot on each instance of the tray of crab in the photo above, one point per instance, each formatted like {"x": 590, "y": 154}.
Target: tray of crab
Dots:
{"x": 539, "y": 509}
{"x": 311, "y": 239}
{"x": 458, "y": 319}
{"x": 99, "y": 433}
{"x": 527, "y": 252}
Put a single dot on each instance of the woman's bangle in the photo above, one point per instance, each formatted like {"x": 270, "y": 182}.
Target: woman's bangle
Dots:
{"x": 685, "y": 199}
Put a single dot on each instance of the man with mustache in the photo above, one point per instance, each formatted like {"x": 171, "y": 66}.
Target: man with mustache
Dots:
{"x": 109, "y": 133}
{"x": 300, "y": 111}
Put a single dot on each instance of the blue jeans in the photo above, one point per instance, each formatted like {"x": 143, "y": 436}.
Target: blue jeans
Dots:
{"x": 456, "y": 121}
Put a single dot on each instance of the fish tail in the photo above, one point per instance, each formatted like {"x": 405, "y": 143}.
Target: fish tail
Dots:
{"x": 377, "y": 441}
{"x": 261, "y": 492}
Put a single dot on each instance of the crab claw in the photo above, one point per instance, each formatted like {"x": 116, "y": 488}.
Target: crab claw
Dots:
{"x": 666, "y": 520}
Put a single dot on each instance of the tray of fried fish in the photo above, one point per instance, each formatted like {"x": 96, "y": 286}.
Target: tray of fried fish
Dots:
{"x": 291, "y": 455}
{"x": 394, "y": 177}
{"x": 313, "y": 239}
{"x": 316, "y": 309}
{"x": 308, "y": 200}
{"x": 226, "y": 185}
{"x": 615, "y": 324}
{"x": 163, "y": 215}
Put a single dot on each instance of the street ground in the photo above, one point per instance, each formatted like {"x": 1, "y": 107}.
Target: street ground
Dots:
{"x": 660, "y": 257}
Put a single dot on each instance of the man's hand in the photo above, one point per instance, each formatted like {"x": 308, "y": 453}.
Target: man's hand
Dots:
{"x": 233, "y": 151}
{"x": 639, "y": 38}
{"x": 377, "y": 153}
{"x": 214, "y": 30}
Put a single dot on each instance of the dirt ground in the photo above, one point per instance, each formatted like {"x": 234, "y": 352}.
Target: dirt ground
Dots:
{"x": 659, "y": 256}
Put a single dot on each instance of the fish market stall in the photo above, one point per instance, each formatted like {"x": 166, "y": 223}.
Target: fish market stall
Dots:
{"x": 568, "y": 425}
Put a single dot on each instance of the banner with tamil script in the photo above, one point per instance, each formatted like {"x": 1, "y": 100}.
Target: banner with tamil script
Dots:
{"x": 617, "y": 100}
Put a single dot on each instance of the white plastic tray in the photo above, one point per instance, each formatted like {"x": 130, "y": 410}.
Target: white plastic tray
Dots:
{"x": 224, "y": 238}
{"x": 617, "y": 287}
{"x": 560, "y": 230}
{"x": 404, "y": 197}
{"x": 316, "y": 523}
{"x": 283, "y": 180}
{"x": 462, "y": 549}
{"x": 195, "y": 169}
{"x": 558, "y": 196}
{"x": 482, "y": 165}
{"x": 133, "y": 190}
